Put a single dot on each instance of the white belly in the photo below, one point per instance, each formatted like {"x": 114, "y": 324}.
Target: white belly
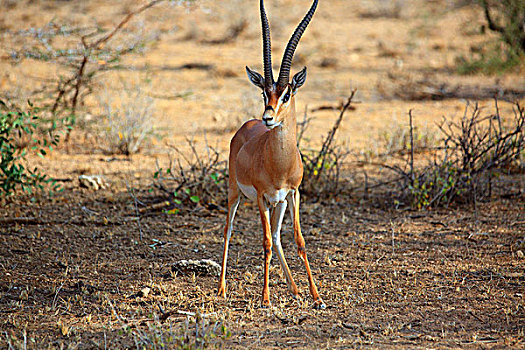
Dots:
{"x": 273, "y": 197}
{"x": 278, "y": 196}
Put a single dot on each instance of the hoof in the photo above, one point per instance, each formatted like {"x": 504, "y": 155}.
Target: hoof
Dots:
{"x": 265, "y": 304}
{"x": 319, "y": 304}
{"x": 221, "y": 292}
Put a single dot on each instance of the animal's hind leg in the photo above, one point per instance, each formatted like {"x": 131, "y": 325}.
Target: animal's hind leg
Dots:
{"x": 276, "y": 223}
{"x": 301, "y": 247}
{"x": 233, "y": 203}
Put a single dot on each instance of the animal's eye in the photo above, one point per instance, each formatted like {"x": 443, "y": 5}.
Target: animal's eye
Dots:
{"x": 286, "y": 97}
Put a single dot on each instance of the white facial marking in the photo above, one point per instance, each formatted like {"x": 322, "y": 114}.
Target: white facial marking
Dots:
{"x": 280, "y": 102}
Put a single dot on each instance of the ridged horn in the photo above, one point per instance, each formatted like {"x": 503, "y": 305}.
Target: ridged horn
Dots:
{"x": 286, "y": 64}
{"x": 267, "y": 48}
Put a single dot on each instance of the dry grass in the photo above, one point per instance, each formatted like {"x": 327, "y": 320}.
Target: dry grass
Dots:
{"x": 393, "y": 140}
{"x": 127, "y": 120}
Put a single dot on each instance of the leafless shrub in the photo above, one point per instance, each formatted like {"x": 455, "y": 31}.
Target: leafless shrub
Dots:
{"x": 127, "y": 119}
{"x": 322, "y": 167}
{"x": 194, "y": 178}
{"x": 474, "y": 152}
{"x": 83, "y": 59}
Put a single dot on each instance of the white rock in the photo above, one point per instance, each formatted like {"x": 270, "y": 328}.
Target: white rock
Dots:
{"x": 199, "y": 267}
{"x": 94, "y": 182}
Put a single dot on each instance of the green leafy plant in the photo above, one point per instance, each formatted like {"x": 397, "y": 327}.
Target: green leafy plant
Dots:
{"x": 21, "y": 134}
{"x": 439, "y": 184}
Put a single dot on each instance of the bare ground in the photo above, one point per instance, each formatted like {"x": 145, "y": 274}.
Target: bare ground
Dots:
{"x": 438, "y": 279}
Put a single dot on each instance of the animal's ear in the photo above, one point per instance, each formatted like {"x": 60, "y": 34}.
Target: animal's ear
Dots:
{"x": 298, "y": 80}
{"x": 255, "y": 78}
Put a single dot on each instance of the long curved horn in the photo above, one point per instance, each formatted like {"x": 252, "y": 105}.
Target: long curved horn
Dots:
{"x": 286, "y": 64}
{"x": 267, "y": 48}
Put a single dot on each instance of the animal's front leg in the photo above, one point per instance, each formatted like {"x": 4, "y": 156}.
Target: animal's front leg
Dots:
{"x": 267, "y": 246}
{"x": 233, "y": 204}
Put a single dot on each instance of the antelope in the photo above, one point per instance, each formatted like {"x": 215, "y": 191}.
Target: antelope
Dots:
{"x": 265, "y": 163}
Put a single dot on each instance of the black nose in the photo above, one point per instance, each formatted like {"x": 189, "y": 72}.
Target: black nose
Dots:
{"x": 268, "y": 108}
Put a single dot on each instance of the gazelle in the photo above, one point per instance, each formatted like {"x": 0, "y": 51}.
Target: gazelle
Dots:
{"x": 265, "y": 164}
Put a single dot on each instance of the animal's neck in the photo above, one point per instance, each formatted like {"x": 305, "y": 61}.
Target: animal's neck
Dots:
{"x": 283, "y": 139}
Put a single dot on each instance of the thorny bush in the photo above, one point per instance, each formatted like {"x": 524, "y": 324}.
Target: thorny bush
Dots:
{"x": 81, "y": 54}
{"x": 194, "y": 178}
{"x": 322, "y": 167}
{"x": 474, "y": 152}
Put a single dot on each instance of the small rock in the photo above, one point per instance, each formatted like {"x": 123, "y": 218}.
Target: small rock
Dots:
{"x": 204, "y": 267}
{"x": 144, "y": 292}
{"x": 93, "y": 182}
{"x": 520, "y": 254}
